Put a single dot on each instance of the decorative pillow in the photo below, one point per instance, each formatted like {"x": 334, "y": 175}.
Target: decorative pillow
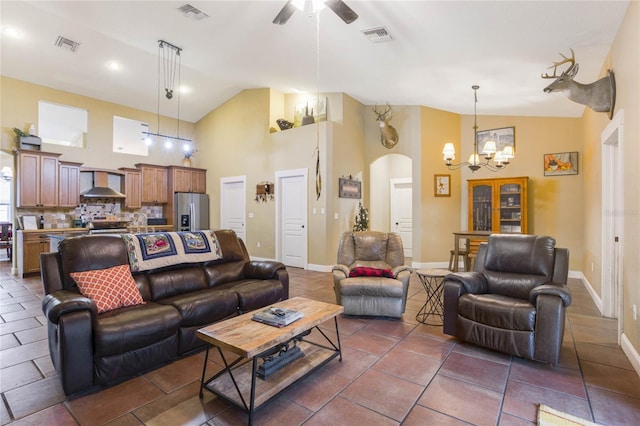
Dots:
{"x": 364, "y": 271}
{"x": 109, "y": 288}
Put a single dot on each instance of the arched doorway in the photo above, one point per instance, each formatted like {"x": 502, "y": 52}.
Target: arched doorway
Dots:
{"x": 391, "y": 186}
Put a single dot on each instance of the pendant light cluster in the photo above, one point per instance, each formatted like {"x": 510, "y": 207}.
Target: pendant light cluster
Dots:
{"x": 489, "y": 158}
{"x": 169, "y": 67}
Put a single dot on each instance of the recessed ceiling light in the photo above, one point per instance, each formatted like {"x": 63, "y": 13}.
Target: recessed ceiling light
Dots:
{"x": 12, "y": 32}
{"x": 185, "y": 90}
{"x": 113, "y": 65}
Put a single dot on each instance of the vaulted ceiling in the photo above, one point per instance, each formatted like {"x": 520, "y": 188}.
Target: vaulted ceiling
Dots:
{"x": 439, "y": 49}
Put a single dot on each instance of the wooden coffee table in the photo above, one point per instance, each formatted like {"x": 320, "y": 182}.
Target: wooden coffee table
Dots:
{"x": 239, "y": 381}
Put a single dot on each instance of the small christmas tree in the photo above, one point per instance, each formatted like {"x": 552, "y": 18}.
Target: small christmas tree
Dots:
{"x": 362, "y": 219}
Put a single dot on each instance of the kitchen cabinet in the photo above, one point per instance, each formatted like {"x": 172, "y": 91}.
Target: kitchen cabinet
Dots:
{"x": 68, "y": 184}
{"x": 132, "y": 188}
{"x": 37, "y": 179}
{"x": 187, "y": 179}
{"x": 30, "y": 244}
{"x": 154, "y": 183}
{"x": 498, "y": 205}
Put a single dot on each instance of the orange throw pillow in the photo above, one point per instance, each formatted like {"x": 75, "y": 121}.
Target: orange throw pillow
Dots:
{"x": 109, "y": 288}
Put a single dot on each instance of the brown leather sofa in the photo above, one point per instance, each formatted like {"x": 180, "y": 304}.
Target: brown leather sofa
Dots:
{"x": 91, "y": 350}
{"x": 371, "y": 295}
{"x": 514, "y": 301}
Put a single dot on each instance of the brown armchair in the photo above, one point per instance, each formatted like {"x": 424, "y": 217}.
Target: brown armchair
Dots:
{"x": 515, "y": 298}
{"x": 366, "y": 294}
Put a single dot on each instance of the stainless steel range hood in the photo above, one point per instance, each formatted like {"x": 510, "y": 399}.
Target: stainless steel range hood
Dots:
{"x": 100, "y": 188}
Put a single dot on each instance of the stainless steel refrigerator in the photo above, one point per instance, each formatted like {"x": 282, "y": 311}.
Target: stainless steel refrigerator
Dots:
{"x": 190, "y": 211}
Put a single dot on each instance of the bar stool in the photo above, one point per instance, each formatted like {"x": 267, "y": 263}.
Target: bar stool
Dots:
{"x": 461, "y": 253}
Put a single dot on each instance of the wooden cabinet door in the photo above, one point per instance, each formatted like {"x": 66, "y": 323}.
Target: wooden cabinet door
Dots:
{"x": 199, "y": 181}
{"x": 28, "y": 182}
{"x": 132, "y": 188}
{"x": 69, "y": 184}
{"x": 37, "y": 182}
{"x": 49, "y": 181}
{"x": 181, "y": 180}
{"x": 154, "y": 185}
{"x": 498, "y": 205}
{"x": 33, "y": 246}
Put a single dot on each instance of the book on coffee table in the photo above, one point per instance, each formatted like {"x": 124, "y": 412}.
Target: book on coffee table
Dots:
{"x": 277, "y": 317}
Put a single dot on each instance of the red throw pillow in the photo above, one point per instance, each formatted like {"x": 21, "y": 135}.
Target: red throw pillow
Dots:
{"x": 109, "y": 288}
{"x": 364, "y": 271}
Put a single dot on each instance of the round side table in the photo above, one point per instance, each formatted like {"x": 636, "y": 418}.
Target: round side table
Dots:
{"x": 432, "y": 280}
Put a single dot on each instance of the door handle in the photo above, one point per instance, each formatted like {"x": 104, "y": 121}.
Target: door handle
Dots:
{"x": 303, "y": 226}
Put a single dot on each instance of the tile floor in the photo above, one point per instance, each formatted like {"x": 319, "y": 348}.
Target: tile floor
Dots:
{"x": 394, "y": 371}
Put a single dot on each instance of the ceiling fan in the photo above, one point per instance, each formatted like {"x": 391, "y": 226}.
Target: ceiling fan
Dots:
{"x": 310, "y": 6}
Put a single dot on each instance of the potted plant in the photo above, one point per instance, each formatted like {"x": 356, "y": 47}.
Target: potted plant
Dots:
{"x": 26, "y": 140}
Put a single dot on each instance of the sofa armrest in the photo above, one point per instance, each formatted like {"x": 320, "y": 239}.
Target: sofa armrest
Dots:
{"x": 268, "y": 270}
{"x": 60, "y": 303}
{"x": 471, "y": 282}
{"x": 340, "y": 271}
{"x": 559, "y": 290}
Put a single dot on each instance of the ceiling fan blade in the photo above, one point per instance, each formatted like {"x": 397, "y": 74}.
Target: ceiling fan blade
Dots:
{"x": 285, "y": 13}
{"x": 342, "y": 10}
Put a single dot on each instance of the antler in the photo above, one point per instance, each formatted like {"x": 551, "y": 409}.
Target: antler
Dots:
{"x": 555, "y": 65}
{"x": 375, "y": 109}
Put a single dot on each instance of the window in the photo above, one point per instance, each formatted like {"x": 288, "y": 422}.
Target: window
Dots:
{"x": 62, "y": 125}
{"x": 129, "y": 136}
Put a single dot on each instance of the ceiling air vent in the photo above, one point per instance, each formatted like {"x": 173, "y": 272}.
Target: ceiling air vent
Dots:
{"x": 67, "y": 44}
{"x": 377, "y": 35}
{"x": 193, "y": 13}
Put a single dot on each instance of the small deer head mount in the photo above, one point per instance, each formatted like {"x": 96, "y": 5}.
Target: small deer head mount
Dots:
{"x": 388, "y": 134}
{"x": 600, "y": 96}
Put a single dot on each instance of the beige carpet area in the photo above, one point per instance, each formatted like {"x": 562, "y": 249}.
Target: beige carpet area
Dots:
{"x": 548, "y": 416}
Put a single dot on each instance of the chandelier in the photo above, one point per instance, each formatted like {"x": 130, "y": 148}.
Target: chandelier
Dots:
{"x": 169, "y": 66}
{"x": 490, "y": 158}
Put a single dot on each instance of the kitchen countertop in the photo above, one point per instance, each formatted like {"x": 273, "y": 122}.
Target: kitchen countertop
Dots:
{"x": 77, "y": 231}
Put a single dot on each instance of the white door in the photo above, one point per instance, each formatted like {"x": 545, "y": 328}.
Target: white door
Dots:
{"x": 291, "y": 222}
{"x": 612, "y": 218}
{"x": 400, "y": 201}
{"x": 233, "y": 204}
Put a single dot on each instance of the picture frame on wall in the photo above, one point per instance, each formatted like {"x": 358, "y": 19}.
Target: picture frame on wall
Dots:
{"x": 503, "y": 137}
{"x": 349, "y": 188}
{"x": 561, "y": 164}
{"x": 442, "y": 185}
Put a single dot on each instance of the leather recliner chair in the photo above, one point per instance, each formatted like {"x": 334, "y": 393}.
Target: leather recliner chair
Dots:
{"x": 515, "y": 298}
{"x": 365, "y": 294}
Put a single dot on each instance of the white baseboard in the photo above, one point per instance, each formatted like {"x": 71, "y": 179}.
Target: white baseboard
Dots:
{"x": 319, "y": 268}
{"x": 594, "y": 296}
{"x": 630, "y": 352}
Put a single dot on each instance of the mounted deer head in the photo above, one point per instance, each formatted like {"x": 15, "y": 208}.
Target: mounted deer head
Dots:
{"x": 388, "y": 134}
{"x": 600, "y": 96}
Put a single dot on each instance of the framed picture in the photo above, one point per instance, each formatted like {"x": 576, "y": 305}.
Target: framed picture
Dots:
{"x": 561, "y": 163}
{"x": 442, "y": 185}
{"x": 505, "y": 136}
{"x": 29, "y": 222}
{"x": 349, "y": 188}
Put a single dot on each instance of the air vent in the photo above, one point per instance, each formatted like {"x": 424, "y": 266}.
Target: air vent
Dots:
{"x": 193, "y": 13}
{"x": 377, "y": 35}
{"x": 67, "y": 44}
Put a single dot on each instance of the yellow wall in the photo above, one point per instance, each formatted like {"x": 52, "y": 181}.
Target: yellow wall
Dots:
{"x": 19, "y": 106}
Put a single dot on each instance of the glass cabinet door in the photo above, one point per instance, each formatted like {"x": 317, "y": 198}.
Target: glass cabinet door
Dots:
{"x": 482, "y": 208}
{"x": 510, "y": 207}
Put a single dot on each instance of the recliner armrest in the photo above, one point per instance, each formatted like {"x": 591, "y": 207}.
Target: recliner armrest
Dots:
{"x": 559, "y": 290}
{"x": 56, "y": 305}
{"x": 396, "y": 270}
{"x": 340, "y": 269}
{"x": 472, "y": 282}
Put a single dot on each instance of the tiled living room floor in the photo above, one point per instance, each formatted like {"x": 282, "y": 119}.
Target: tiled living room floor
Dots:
{"x": 394, "y": 371}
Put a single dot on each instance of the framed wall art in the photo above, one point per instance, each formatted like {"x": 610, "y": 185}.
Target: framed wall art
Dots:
{"x": 349, "y": 188}
{"x": 561, "y": 163}
{"x": 505, "y": 136}
{"x": 442, "y": 185}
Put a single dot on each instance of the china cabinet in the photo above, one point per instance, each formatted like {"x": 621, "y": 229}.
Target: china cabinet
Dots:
{"x": 498, "y": 205}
